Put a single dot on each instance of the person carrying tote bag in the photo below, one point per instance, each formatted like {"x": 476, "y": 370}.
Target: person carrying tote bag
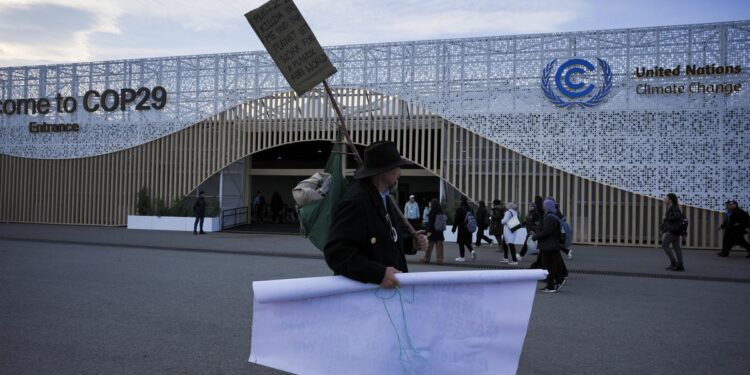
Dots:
{"x": 510, "y": 220}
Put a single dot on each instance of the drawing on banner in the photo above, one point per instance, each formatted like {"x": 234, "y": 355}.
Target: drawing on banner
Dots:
{"x": 409, "y": 356}
{"x": 331, "y": 325}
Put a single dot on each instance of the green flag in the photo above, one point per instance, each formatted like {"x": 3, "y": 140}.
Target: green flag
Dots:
{"x": 315, "y": 218}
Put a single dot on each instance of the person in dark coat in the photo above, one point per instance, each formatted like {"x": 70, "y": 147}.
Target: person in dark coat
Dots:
{"x": 483, "y": 221}
{"x": 276, "y": 204}
{"x": 735, "y": 222}
{"x": 533, "y": 223}
{"x": 199, "y": 210}
{"x": 538, "y": 202}
{"x": 496, "y": 216}
{"x": 549, "y": 247}
{"x": 464, "y": 236}
{"x": 671, "y": 231}
{"x": 363, "y": 242}
{"x": 563, "y": 249}
{"x": 259, "y": 204}
{"x": 435, "y": 236}
{"x": 561, "y": 215}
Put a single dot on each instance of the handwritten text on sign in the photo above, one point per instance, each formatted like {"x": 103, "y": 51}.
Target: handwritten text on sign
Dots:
{"x": 292, "y": 45}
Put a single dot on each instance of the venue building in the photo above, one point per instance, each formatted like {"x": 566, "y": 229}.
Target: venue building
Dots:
{"x": 606, "y": 121}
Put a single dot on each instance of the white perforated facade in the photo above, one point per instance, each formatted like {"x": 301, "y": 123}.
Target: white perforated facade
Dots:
{"x": 694, "y": 144}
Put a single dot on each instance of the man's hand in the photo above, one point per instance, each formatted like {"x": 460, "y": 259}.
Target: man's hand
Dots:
{"x": 420, "y": 241}
{"x": 389, "y": 279}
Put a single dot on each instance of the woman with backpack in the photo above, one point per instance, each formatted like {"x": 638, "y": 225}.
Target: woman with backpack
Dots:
{"x": 508, "y": 233}
{"x": 464, "y": 235}
{"x": 436, "y": 224}
{"x": 671, "y": 228}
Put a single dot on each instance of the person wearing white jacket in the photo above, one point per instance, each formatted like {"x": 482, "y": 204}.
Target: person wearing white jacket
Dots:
{"x": 508, "y": 235}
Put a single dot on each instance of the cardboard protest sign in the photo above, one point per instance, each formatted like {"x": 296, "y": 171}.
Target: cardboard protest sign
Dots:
{"x": 292, "y": 45}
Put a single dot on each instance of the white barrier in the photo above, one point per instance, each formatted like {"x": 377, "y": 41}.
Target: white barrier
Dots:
{"x": 178, "y": 223}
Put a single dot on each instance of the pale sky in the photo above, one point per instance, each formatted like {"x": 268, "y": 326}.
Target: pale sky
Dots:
{"x": 34, "y": 32}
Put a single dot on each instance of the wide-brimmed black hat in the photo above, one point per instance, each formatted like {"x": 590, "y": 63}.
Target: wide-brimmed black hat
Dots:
{"x": 380, "y": 157}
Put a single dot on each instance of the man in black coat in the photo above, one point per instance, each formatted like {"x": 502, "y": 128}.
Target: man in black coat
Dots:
{"x": 549, "y": 247}
{"x": 734, "y": 228}
{"x": 483, "y": 221}
{"x": 363, "y": 243}
{"x": 199, "y": 209}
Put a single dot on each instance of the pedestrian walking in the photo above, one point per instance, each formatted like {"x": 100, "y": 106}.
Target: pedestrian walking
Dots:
{"x": 496, "y": 225}
{"x": 464, "y": 235}
{"x": 563, "y": 237}
{"x": 483, "y": 221}
{"x": 436, "y": 224}
{"x": 426, "y": 215}
{"x": 276, "y": 204}
{"x": 411, "y": 211}
{"x": 510, "y": 224}
{"x": 259, "y": 204}
{"x": 549, "y": 248}
{"x": 735, "y": 222}
{"x": 533, "y": 223}
{"x": 671, "y": 231}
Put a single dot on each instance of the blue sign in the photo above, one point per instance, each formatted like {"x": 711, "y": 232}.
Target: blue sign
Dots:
{"x": 569, "y": 85}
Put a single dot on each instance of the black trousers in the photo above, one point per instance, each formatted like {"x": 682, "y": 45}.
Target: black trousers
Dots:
{"x": 195, "y": 225}
{"x": 512, "y": 248}
{"x": 553, "y": 263}
{"x": 481, "y": 236}
{"x": 499, "y": 239}
{"x": 461, "y": 245}
{"x": 538, "y": 264}
{"x": 525, "y": 247}
{"x": 731, "y": 240}
{"x": 503, "y": 245}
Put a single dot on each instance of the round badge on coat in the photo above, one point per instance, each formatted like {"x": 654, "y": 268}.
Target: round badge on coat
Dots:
{"x": 373, "y": 240}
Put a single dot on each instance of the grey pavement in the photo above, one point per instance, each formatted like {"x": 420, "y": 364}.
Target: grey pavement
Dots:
{"x": 633, "y": 261}
{"x": 93, "y": 300}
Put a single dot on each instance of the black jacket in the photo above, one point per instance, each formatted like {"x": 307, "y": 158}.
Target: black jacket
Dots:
{"x": 549, "y": 235}
{"x": 199, "y": 208}
{"x": 734, "y": 224}
{"x": 534, "y": 221}
{"x": 483, "y": 219}
{"x": 360, "y": 245}
{"x": 672, "y": 220}
{"x": 459, "y": 222}
{"x": 496, "y": 227}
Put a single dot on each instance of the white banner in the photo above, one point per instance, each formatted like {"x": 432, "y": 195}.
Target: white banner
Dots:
{"x": 457, "y": 322}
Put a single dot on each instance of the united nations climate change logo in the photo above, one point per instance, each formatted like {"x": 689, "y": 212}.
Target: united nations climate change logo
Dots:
{"x": 569, "y": 81}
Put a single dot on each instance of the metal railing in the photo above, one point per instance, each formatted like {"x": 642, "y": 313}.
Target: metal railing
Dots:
{"x": 233, "y": 217}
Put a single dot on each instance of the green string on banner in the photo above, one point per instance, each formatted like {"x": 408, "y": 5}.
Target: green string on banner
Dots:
{"x": 406, "y": 346}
